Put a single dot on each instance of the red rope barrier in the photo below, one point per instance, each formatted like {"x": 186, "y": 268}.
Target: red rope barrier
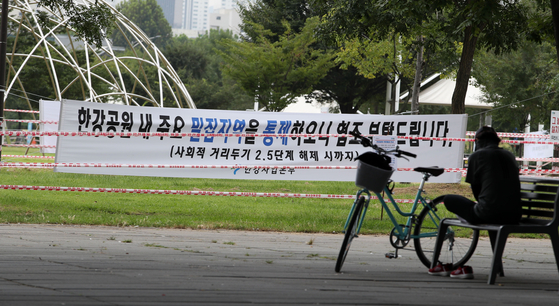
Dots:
{"x": 29, "y": 156}
{"x": 155, "y": 166}
{"x": 21, "y": 111}
{"x": 32, "y": 121}
{"x": 28, "y": 146}
{"x": 192, "y": 192}
{"x": 138, "y": 134}
{"x": 517, "y": 135}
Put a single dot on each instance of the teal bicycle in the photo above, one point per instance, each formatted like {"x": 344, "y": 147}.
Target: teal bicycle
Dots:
{"x": 421, "y": 228}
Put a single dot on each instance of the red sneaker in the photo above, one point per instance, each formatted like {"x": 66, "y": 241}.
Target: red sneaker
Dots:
{"x": 441, "y": 270}
{"x": 463, "y": 272}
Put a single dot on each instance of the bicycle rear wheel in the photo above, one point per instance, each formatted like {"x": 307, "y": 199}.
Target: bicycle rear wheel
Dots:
{"x": 350, "y": 233}
{"x": 459, "y": 244}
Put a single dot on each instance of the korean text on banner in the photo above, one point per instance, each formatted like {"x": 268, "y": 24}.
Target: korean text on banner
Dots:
{"x": 238, "y": 153}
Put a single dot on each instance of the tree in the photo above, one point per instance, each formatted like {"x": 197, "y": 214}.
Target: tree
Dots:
{"x": 519, "y": 84}
{"x": 199, "y": 65}
{"x": 34, "y": 81}
{"x": 389, "y": 59}
{"x": 277, "y": 72}
{"x": 493, "y": 24}
{"x": 345, "y": 86}
{"x": 271, "y": 15}
{"x": 91, "y": 22}
{"x": 148, "y": 16}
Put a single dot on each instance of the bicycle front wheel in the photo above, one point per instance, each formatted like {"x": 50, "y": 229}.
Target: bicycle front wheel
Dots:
{"x": 350, "y": 233}
{"x": 459, "y": 244}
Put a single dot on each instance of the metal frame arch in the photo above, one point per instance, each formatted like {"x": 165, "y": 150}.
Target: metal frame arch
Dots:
{"x": 122, "y": 76}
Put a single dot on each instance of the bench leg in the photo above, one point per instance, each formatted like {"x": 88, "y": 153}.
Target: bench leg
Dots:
{"x": 555, "y": 244}
{"x": 439, "y": 243}
{"x": 493, "y": 238}
{"x": 497, "y": 263}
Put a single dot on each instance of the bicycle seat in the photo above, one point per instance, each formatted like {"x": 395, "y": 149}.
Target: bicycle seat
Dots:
{"x": 434, "y": 171}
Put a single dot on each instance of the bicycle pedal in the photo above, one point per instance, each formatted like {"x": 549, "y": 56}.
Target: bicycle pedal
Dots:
{"x": 392, "y": 255}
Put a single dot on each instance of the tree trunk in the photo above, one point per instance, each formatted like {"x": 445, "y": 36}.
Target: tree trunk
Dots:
{"x": 555, "y": 16}
{"x": 464, "y": 72}
{"x": 346, "y": 106}
{"x": 417, "y": 79}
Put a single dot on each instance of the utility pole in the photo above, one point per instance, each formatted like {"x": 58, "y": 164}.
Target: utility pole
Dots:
{"x": 3, "y": 42}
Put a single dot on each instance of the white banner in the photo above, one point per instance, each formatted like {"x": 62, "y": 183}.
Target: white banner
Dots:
{"x": 554, "y": 126}
{"x": 237, "y": 151}
{"x": 538, "y": 150}
{"x": 49, "y": 111}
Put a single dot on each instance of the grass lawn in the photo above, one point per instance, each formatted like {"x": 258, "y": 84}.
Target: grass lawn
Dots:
{"x": 188, "y": 211}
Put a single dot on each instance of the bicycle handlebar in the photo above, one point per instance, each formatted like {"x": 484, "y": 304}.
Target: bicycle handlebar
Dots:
{"x": 366, "y": 142}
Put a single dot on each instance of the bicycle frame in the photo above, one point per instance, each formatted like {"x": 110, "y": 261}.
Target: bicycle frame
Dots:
{"x": 402, "y": 233}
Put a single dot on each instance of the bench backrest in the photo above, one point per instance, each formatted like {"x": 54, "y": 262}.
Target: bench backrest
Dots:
{"x": 539, "y": 198}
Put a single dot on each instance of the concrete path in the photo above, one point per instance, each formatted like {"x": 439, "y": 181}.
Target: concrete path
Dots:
{"x": 86, "y": 265}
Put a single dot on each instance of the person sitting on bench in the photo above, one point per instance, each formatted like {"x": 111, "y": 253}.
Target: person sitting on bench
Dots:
{"x": 493, "y": 175}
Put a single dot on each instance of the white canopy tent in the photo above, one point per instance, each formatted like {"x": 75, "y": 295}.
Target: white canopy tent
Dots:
{"x": 440, "y": 93}
{"x": 302, "y": 106}
{"x": 433, "y": 92}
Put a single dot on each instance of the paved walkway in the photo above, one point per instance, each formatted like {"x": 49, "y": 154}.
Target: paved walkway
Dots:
{"x": 85, "y": 265}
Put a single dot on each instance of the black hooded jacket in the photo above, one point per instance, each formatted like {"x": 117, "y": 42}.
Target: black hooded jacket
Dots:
{"x": 493, "y": 175}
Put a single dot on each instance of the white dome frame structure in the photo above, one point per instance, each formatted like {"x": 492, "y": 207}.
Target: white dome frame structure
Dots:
{"x": 165, "y": 88}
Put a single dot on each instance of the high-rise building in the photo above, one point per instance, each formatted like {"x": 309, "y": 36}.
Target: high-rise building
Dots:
{"x": 168, "y": 7}
{"x": 196, "y": 15}
{"x": 225, "y": 19}
{"x": 186, "y": 14}
{"x": 228, "y": 4}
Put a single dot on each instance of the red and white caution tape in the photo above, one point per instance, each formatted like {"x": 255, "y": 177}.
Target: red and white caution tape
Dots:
{"x": 517, "y": 135}
{"x": 539, "y": 171}
{"x": 155, "y": 166}
{"x": 193, "y": 192}
{"x": 29, "y": 156}
{"x": 21, "y": 111}
{"x": 32, "y": 121}
{"x": 28, "y": 146}
{"x": 551, "y": 160}
{"x": 178, "y": 135}
{"x": 528, "y": 142}
{"x": 158, "y": 134}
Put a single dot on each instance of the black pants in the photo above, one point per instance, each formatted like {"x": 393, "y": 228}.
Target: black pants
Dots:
{"x": 462, "y": 207}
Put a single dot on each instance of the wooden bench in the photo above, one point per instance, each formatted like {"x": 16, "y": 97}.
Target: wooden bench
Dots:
{"x": 540, "y": 209}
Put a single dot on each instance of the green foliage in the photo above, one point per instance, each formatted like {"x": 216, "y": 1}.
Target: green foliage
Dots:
{"x": 520, "y": 83}
{"x": 349, "y": 89}
{"x": 148, "y": 16}
{"x": 277, "y": 72}
{"x": 496, "y": 25}
{"x": 376, "y": 57}
{"x": 35, "y": 79}
{"x": 90, "y": 22}
{"x": 140, "y": 80}
{"x": 198, "y": 64}
{"x": 272, "y": 15}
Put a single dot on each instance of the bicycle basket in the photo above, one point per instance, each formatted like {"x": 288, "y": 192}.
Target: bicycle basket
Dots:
{"x": 372, "y": 177}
